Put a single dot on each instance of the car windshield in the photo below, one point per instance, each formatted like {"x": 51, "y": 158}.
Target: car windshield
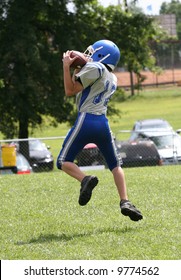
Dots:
{"x": 36, "y": 145}
{"x": 165, "y": 141}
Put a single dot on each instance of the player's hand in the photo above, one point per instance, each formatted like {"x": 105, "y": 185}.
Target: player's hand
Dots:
{"x": 67, "y": 60}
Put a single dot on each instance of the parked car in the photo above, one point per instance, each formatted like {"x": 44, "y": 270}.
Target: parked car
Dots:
{"x": 40, "y": 158}
{"x": 167, "y": 143}
{"x": 134, "y": 154}
{"x": 139, "y": 153}
{"x": 149, "y": 125}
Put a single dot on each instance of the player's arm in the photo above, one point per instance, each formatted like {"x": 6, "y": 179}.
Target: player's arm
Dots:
{"x": 71, "y": 86}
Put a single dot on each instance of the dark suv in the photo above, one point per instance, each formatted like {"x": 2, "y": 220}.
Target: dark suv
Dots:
{"x": 134, "y": 154}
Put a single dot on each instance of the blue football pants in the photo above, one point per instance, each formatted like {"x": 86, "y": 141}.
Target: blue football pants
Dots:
{"x": 90, "y": 128}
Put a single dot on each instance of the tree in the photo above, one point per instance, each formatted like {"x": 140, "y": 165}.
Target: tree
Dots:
{"x": 132, "y": 33}
{"x": 33, "y": 36}
{"x": 30, "y": 66}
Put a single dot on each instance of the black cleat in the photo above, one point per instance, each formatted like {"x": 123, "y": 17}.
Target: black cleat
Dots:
{"x": 87, "y": 185}
{"x": 127, "y": 209}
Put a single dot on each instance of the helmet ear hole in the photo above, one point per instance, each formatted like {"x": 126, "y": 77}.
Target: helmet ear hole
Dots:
{"x": 100, "y": 55}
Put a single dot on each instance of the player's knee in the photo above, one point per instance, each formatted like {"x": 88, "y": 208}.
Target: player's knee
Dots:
{"x": 114, "y": 164}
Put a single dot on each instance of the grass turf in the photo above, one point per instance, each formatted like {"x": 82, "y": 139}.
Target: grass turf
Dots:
{"x": 41, "y": 218}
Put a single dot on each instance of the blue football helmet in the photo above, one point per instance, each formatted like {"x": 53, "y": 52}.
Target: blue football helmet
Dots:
{"x": 104, "y": 51}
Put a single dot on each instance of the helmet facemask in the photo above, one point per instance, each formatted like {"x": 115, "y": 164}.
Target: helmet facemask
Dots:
{"x": 89, "y": 52}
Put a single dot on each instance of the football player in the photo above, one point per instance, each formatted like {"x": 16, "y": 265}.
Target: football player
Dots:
{"x": 93, "y": 85}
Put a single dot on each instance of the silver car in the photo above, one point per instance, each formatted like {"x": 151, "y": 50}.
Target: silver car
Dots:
{"x": 167, "y": 143}
{"x": 149, "y": 125}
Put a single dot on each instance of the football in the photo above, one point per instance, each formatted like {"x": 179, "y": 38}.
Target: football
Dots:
{"x": 80, "y": 60}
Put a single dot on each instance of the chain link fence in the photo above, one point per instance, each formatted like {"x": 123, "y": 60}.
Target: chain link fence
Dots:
{"x": 25, "y": 156}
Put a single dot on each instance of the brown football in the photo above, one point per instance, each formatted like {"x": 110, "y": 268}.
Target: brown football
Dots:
{"x": 80, "y": 60}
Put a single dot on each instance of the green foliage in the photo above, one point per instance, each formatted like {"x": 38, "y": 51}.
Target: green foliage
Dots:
{"x": 41, "y": 219}
{"x": 132, "y": 33}
{"x": 1, "y": 83}
{"x": 119, "y": 96}
{"x": 33, "y": 37}
{"x": 30, "y": 68}
{"x": 32, "y": 41}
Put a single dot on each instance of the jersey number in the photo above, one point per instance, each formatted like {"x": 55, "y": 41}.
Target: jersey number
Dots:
{"x": 99, "y": 97}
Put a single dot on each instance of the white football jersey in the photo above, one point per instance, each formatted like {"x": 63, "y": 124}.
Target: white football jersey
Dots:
{"x": 99, "y": 84}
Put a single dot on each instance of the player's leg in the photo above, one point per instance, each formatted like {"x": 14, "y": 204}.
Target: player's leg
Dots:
{"x": 127, "y": 208}
{"x": 88, "y": 183}
{"x": 73, "y": 143}
{"x": 76, "y": 139}
{"x": 120, "y": 182}
{"x": 113, "y": 159}
{"x": 73, "y": 170}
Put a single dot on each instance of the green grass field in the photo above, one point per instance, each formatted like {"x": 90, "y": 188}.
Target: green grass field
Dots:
{"x": 41, "y": 219}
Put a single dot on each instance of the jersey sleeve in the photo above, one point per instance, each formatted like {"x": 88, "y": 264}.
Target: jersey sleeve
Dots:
{"x": 90, "y": 73}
